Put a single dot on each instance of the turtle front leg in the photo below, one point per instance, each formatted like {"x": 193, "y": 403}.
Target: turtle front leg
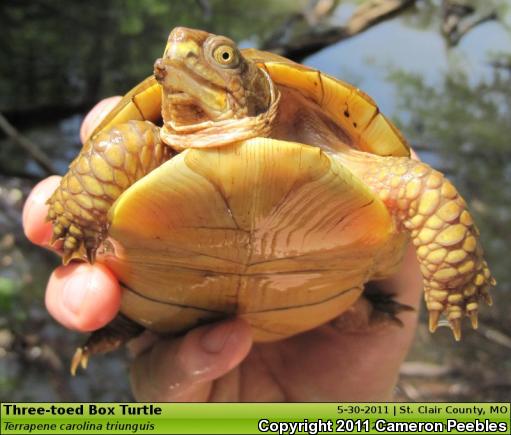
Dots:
{"x": 108, "y": 164}
{"x": 456, "y": 276}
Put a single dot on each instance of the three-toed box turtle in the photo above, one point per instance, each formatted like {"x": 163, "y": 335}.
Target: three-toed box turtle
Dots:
{"x": 271, "y": 191}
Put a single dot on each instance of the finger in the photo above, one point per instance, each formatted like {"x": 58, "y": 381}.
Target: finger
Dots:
{"x": 406, "y": 285}
{"x": 35, "y": 210}
{"x": 96, "y": 115}
{"x": 82, "y": 296}
{"x": 182, "y": 369}
{"x": 142, "y": 343}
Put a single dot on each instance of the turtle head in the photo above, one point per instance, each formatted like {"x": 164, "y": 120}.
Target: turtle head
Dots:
{"x": 210, "y": 90}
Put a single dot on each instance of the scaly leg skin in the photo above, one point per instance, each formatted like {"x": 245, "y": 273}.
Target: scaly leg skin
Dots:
{"x": 109, "y": 338}
{"x": 456, "y": 276}
{"x": 108, "y": 164}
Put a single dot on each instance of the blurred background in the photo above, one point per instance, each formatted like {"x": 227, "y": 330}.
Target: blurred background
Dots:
{"x": 441, "y": 69}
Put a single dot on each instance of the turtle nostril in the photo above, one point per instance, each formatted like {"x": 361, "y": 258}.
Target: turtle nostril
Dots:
{"x": 159, "y": 70}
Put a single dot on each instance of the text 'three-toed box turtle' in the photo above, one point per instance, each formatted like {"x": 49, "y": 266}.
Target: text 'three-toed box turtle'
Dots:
{"x": 271, "y": 191}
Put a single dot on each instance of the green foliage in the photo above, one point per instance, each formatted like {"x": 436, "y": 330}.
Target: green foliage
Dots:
{"x": 427, "y": 14}
{"x": 8, "y": 290}
{"x": 61, "y": 53}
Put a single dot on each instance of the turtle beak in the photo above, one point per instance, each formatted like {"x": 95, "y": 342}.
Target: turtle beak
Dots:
{"x": 184, "y": 43}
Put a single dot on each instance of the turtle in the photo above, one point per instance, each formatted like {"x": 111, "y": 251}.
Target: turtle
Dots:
{"x": 240, "y": 183}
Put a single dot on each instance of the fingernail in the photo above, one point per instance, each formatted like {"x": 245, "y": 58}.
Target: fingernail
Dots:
{"x": 214, "y": 339}
{"x": 76, "y": 290}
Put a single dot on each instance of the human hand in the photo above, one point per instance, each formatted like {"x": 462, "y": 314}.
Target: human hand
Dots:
{"x": 81, "y": 296}
{"x": 344, "y": 360}
{"x": 347, "y": 359}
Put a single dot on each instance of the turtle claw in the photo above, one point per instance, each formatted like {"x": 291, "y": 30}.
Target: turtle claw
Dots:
{"x": 72, "y": 253}
{"x": 91, "y": 255}
{"x": 434, "y": 315}
{"x": 67, "y": 257}
{"x": 56, "y": 235}
{"x": 106, "y": 339}
{"x": 460, "y": 301}
{"x": 79, "y": 236}
{"x": 488, "y": 299}
{"x": 80, "y": 359}
{"x": 54, "y": 239}
{"x": 385, "y": 307}
{"x": 77, "y": 243}
{"x": 456, "y": 328}
{"x": 473, "y": 319}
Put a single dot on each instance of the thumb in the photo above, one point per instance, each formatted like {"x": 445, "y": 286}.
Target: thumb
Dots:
{"x": 183, "y": 369}
{"x": 96, "y": 115}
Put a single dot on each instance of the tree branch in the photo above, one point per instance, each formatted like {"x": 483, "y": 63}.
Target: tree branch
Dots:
{"x": 30, "y": 147}
{"x": 459, "y": 18}
{"x": 365, "y": 16}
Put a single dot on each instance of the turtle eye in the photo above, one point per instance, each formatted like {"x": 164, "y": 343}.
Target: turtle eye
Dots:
{"x": 226, "y": 56}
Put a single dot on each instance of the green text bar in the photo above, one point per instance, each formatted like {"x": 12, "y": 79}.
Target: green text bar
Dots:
{"x": 254, "y": 418}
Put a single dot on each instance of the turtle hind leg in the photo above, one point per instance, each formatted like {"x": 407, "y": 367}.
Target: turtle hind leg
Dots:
{"x": 456, "y": 277}
{"x": 374, "y": 311}
{"x": 107, "y": 339}
{"x": 385, "y": 308}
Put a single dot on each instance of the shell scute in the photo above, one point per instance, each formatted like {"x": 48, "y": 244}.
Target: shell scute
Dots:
{"x": 351, "y": 108}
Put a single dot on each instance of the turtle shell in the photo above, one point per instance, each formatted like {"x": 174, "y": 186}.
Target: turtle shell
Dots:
{"x": 349, "y": 107}
{"x": 273, "y": 231}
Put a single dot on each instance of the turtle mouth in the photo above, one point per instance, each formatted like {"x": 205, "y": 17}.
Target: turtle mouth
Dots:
{"x": 185, "y": 111}
{"x": 192, "y": 99}
{"x": 178, "y": 97}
